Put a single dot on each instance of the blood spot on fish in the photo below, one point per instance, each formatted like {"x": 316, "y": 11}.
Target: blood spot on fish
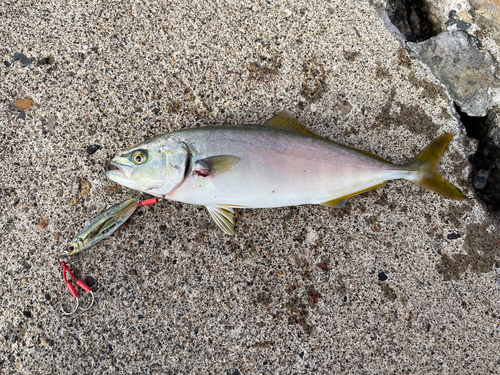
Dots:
{"x": 201, "y": 173}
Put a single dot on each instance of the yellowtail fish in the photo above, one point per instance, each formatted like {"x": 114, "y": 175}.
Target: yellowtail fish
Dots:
{"x": 278, "y": 164}
{"x": 102, "y": 226}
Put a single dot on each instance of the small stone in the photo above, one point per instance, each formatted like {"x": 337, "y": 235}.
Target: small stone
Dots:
{"x": 23, "y": 104}
{"x": 481, "y": 179}
{"x": 138, "y": 109}
{"x": 49, "y": 60}
{"x": 344, "y": 108}
{"x": 21, "y": 115}
{"x": 382, "y": 276}
{"x": 43, "y": 223}
{"x": 453, "y": 236}
{"x": 57, "y": 236}
{"x": 111, "y": 189}
{"x": 85, "y": 187}
{"x": 27, "y": 314}
{"x": 140, "y": 316}
{"x": 24, "y": 59}
{"x": 92, "y": 149}
{"x": 13, "y": 337}
{"x": 7, "y": 64}
{"x": 74, "y": 201}
{"x": 90, "y": 281}
{"x": 133, "y": 272}
{"x": 50, "y": 123}
{"x": 47, "y": 296}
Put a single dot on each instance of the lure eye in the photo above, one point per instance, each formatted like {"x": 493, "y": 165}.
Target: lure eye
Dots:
{"x": 71, "y": 248}
{"x": 139, "y": 157}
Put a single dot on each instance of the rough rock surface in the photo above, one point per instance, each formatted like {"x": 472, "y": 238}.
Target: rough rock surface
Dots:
{"x": 469, "y": 73}
{"x": 400, "y": 280}
{"x": 476, "y": 17}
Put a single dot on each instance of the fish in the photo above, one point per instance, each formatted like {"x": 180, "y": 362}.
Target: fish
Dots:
{"x": 278, "y": 164}
{"x": 102, "y": 226}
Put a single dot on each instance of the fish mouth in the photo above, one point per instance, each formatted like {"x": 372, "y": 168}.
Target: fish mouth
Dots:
{"x": 111, "y": 167}
{"x": 116, "y": 169}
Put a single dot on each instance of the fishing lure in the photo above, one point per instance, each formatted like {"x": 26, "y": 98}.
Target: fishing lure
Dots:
{"x": 97, "y": 230}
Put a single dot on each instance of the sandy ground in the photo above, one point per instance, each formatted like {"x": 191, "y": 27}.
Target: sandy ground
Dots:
{"x": 399, "y": 281}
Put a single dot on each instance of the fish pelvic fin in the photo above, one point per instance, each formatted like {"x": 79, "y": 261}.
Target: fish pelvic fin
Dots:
{"x": 223, "y": 216}
{"x": 426, "y": 164}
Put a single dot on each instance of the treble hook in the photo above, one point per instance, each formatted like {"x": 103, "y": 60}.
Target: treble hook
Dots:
{"x": 72, "y": 288}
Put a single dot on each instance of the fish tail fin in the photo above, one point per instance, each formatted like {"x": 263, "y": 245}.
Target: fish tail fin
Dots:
{"x": 426, "y": 164}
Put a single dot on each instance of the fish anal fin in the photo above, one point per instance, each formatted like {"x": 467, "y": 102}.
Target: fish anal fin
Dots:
{"x": 223, "y": 216}
{"x": 340, "y": 201}
{"x": 215, "y": 164}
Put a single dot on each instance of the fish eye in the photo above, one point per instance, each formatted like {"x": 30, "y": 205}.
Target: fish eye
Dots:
{"x": 139, "y": 157}
{"x": 71, "y": 248}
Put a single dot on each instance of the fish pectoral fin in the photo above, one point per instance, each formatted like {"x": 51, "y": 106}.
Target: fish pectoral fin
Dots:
{"x": 216, "y": 164}
{"x": 223, "y": 216}
{"x": 340, "y": 201}
{"x": 286, "y": 121}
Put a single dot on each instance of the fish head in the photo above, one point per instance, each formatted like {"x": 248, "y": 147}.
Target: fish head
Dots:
{"x": 75, "y": 246}
{"x": 156, "y": 166}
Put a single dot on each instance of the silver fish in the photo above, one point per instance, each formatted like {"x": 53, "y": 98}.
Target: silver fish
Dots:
{"x": 278, "y": 164}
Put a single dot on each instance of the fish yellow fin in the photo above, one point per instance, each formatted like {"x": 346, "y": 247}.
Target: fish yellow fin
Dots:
{"x": 340, "y": 201}
{"x": 217, "y": 164}
{"x": 223, "y": 216}
{"x": 286, "y": 121}
{"x": 427, "y": 162}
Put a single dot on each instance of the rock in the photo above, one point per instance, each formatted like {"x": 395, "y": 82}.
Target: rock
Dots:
{"x": 481, "y": 179}
{"x": 24, "y": 59}
{"x": 85, "y": 187}
{"x": 477, "y": 17}
{"x": 50, "y": 123}
{"x": 23, "y": 104}
{"x": 43, "y": 223}
{"x": 92, "y": 149}
{"x": 74, "y": 201}
{"x": 467, "y": 72}
{"x": 112, "y": 189}
{"x": 6, "y": 63}
{"x": 493, "y": 136}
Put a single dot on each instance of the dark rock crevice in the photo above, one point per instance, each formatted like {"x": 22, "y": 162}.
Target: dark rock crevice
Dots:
{"x": 412, "y": 19}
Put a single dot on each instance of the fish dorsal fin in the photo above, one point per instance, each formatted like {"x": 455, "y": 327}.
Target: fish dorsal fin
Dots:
{"x": 286, "y": 121}
{"x": 223, "y": 216}
{"x": 340, "y": 201}
{"x": 217, "y": 164}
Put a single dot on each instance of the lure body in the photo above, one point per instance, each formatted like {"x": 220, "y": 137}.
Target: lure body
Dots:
{"x": 102, "y": 226}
